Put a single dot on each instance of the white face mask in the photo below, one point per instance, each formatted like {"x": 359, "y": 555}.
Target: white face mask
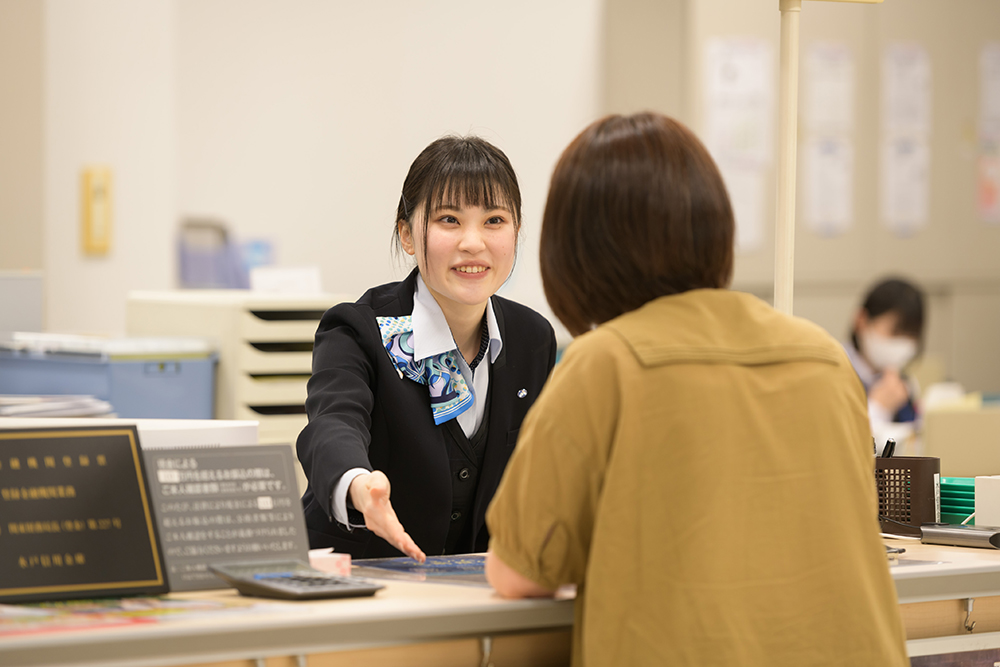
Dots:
{"x": 887, "y": 353}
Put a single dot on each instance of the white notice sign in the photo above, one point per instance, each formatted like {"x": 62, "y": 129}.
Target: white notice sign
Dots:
{"x": 906, "y": 130}
{"x": 829, "y": 88}
{"x": 905, "y": 184}
{"x": 829, "y": 186}
{"x": 988, "y": 188}
{"x": 828, "y": 149}
{"x": 989, "y": 93}
{"x": 988, "y": 163}
{"x": 745, "y": 186}
{"x": 906, "y": 89}
{"x": 739, "y": 89}
{"x": 739, "y": 108}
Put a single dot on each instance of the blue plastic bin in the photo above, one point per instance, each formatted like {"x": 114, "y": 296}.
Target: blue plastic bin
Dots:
{"x": 147, "y": 381}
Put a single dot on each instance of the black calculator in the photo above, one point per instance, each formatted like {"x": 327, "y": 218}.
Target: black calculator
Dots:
{"x": 290, "y": 580}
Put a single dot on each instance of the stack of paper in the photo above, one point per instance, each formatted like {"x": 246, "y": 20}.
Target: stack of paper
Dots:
{"x": 54, "y": 406}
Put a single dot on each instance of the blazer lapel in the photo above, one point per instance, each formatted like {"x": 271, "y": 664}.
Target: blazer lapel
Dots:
{"x": 502, "y": 357}
{"x": 456, "y": 433}
{"x": 398, "y": 300}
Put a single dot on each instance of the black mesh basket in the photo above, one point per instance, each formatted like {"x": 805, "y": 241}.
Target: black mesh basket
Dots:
{"x": 908, "y": 493}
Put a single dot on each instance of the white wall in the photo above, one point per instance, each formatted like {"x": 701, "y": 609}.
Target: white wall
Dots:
{"x": 297, "y": 121}
{"x": 294, "y": 122}
{"x": 109, "y": 99}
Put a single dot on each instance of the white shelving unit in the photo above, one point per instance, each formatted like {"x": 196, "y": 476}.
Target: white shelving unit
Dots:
{"x": 264, "y": 341}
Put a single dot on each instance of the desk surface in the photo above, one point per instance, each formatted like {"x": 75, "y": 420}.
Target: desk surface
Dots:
{"x": 928, "y": 572}
{"x": 230, "y": 627}
{"x": 234, "y": 627}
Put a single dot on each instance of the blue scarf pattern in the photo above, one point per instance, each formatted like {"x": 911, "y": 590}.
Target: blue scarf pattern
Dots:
{"x": 450, "y": 395}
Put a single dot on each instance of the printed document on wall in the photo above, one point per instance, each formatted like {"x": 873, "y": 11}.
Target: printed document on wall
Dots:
{"x": 988, "y": 162}
{"x": 829, "y": 89}
{"x": 739, "y": 109}
{"x": 828, "y": 148}
{"x": 745, "y": 185}
{"x": 988, "y": 188}
{"x": 829, "y": 186}
{"x": 739, "y": 89}
{"x": 989, "y": 92}
{"x": 906, "y": 129}
{"x": 905, "y": 185}
{"x": 906, "y": 89}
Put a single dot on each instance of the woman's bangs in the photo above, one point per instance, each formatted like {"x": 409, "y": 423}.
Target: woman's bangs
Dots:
{"x": 464, "y": 187}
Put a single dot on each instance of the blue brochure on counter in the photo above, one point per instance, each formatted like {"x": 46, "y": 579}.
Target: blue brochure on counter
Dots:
{"x": 467, "y": 569}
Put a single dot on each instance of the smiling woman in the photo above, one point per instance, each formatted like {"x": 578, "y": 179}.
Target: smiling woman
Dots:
{"x": 466, "y": 255}
{"x": 419, "y": 388}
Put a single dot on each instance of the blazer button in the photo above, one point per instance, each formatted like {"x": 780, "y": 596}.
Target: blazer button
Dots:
{"x": 455, "y": 516}
{"x": 464, "y": 474}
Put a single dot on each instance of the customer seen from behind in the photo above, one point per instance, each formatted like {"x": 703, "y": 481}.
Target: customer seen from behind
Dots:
{"x": 699, "y": 464}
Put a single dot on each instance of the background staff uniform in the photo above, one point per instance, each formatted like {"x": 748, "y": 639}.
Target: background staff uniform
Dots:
{"x": 702, "y": 468}
{"x": 363, "y": 414}
{"x": 869, "y": 376}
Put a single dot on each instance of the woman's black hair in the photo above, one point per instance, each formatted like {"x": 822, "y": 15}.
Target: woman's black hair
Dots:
{"x": 895, "y": 295}
{"x": 459, "y": 171}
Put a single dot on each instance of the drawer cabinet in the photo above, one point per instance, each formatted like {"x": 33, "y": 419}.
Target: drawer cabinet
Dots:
{"x": 264, "y": 342}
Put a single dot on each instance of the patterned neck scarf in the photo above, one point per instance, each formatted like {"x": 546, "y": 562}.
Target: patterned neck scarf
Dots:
{"x": 450, "y": 395}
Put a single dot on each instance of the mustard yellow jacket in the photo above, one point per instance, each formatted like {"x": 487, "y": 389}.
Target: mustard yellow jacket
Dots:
{"x": 702, "y": 468}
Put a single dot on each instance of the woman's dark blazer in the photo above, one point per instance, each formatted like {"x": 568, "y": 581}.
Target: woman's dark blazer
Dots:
{"x": 362, "y": 414}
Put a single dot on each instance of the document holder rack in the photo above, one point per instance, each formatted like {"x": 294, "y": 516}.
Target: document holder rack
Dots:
{"x": 908, "y": 493}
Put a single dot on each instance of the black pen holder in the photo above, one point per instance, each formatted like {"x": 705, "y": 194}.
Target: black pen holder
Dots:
{"x": 909, "y": 493}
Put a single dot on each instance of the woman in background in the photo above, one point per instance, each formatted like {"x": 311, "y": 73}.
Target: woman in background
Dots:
{"x": 699, "y": 464}
{"x": 887, "y": 335}
{"x": 420, "y": 386}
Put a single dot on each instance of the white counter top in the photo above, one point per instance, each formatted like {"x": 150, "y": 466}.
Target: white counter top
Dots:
{"x": 241, "y": 628}
{"x": 928, "y": 572}
{"x": 236, "y": 628}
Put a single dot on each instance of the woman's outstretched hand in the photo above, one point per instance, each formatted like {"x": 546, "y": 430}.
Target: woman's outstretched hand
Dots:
{"x": 370, "y": 495}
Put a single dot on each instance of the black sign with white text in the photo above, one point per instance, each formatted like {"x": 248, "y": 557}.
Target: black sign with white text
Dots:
{"x": 75, "y": 516}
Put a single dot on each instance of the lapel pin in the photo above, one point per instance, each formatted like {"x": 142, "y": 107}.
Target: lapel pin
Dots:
{"x": 522, "y": 393}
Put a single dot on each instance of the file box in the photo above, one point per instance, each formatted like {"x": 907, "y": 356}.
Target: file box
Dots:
{"x": 141, "y": 377}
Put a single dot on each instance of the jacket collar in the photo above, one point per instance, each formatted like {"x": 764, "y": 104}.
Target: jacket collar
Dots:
{"x": 431, "y": 334}
{"x": 720, "y": 326}
{"x": 397, "y": 300}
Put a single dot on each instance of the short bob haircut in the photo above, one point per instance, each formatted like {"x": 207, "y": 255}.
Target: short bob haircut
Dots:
{"x": 457, "y": 171}
{"x": 901, "y": 297}
{"x": 636, "y": 210}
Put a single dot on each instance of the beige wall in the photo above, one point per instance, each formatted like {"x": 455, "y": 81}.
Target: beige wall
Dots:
{"x": 954, "y": 256}
{"x": 297, "y": 122}
{"x": 292, "y": 122}
{"x": 644, "y": 56}
{"x": 21, "y": 65}
{"x": 109, "y": 100}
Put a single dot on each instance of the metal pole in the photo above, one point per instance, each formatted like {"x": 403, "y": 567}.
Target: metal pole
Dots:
{"x": 784, "y": 231}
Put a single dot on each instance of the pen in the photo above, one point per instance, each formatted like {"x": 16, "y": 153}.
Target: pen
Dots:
{"x": 889, "y": 449}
